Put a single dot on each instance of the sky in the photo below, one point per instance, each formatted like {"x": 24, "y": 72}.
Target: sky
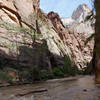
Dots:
{"x": 63, "y": 7}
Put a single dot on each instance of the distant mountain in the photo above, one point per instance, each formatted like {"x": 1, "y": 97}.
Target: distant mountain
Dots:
{"x": 78, "y": 22}
{"x": 81, "y": 13}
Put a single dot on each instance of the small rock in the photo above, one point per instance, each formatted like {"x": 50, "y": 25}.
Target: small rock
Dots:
{"x": 85, "y": 90}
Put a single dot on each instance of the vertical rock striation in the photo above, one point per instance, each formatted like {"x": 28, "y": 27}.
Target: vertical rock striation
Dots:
{"x": 60, "y": 39}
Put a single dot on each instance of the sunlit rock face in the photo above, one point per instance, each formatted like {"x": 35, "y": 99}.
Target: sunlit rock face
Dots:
{"x": 81, "y": 12}
{"x": 74, "y": 32}
{"x": 67, "y": 21}
{"x": 78, "y": 22}
{"x": 61, "y": 39}
{"x": 6, "y": 15}
{"x": 15, "y": 42}
{"x": 82, "y": 28}
{"x": 78, "y": 15}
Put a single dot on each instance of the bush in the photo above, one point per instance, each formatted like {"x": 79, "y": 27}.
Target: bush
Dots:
{"x": 5, "y": 77}
{"x": 80, "y": 72}
{"x": 57, "y": 71}
{"x": 30, "y": 75}
{"x": 24, "y": 76}
{"x": 69, "y": 67}
{"x": 45, "y": 75}
{"x": 7, "y": 69}
{"x": 36, "y": 74}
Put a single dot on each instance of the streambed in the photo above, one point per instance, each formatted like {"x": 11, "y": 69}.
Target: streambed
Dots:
{"x": 78, "y": 88}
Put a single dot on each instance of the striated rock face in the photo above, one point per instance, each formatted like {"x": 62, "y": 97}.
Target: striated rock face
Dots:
{"x": 17, "y": 46}
{"x": 35, "y": 39}
{"x": 5, "y": 11}
{"x": 81, "y": 29}
{"x": 80, "y": 53}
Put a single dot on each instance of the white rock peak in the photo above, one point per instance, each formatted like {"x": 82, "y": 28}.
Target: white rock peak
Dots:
{"x": 77, "y": 20}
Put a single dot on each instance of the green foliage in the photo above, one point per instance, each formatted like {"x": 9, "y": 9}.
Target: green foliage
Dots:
{"x": 45, "y": 75}
{"x": 10, "y": 26}
{"x": 4, "y": 74}
{"x": 57, "y": 72}
{"x": 7, "y": 69}
{"x": 30, "y": 75}
{"x": 36, "y": 74}
{"x": 24, "y": 76}
{"x": 80, "y": 72}
{"x": 5, "y": 77}
{"x": 29, "y": 33}
{"x": 69, "y": 66}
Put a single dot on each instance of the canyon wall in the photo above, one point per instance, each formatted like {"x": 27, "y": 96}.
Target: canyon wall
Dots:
{"x": 31, "y": 37}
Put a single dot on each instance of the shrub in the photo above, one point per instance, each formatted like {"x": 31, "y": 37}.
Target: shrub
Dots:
{"x": 24, "y": 76}
{"x": 45, "y": 75}
{"x": 30, "y": 75}
{"x": 69, "y": 67}
{"x": 80, "y": 72}
{"x": 5, "y": 77}
{"x": 57, "y": 71}
{"x": 36, "y": 74}
{"x": 7, "y": 69}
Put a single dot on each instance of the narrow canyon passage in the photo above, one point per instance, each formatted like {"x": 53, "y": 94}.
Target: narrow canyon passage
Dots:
{"x": 77, "y": 88}
{"x": 37, "y": 46}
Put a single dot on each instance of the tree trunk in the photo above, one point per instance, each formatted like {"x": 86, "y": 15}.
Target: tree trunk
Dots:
{"x": 97, "y": 42}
